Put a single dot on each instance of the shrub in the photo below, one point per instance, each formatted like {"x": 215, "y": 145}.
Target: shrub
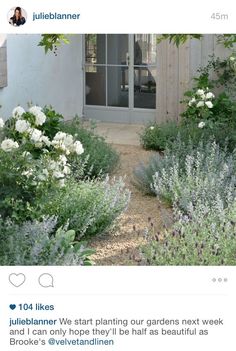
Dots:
{"x": 204, "y": 174}
{"x": 223, "y": 134}
{"x": 207, "y": 110}
{"x": 31, "y": 162}
{"x": 200, "y": 183}
{"x": 176, "y": 152}
{"x": 207, "y": 236}
{"x": 210, "y": 110}
{"x": 99, "y": 157}
{"x": 157, "y": 137}
{"x": 22, "y": 179}
{"x": 88, "y": 207}
{"x": 39, "y": 243}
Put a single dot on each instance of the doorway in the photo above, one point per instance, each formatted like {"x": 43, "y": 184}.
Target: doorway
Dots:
{"x": 120, "y": 73}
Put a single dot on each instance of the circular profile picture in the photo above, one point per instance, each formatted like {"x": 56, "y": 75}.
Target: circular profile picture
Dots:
{"x": 17, "y": 16}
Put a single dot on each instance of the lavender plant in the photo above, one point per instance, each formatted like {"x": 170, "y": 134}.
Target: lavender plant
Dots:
{"x": 206, "y": 236}
{"x": 40, "y": 243}
{"x": 206, "y": 173}
{"x": 89, "y": 207}
{"x": 200, "y": 183}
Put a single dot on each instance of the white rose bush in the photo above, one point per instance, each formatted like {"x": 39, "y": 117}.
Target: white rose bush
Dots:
{"x": 32, "y": 159}
{"x": 199, "y": 106}
{"x": 44, "y": 186}
{"x": 28, "y": 134}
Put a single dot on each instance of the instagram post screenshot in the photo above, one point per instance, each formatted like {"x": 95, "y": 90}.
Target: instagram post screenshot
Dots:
{"x": 117, "y": 176}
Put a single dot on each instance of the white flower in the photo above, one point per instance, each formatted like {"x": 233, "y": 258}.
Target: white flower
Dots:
{"x": 210, "y": 95}
{"x": 62, "y": 182}
{"x": 35, "y": 135}
{"x": 45, "y": 172}
{"x": 9, "y": 144}
{"x": 27, "y": 173}
{"x": 66, "y": 170}
{"x": 60, "y": 136}
{"x": 26, "y": 154}
{"x": 201, "y": 124}
{"x": 38, "y": 145}
{"x": 68, "y": 140}
{"x": 200, "y": 104}
{"x": 53, "y": 165}
{"x": 77, "y": 147}
{"x": 200, "y": 92}
{"x": 209, "y": 104}
{"x": 18, "y": 112}
{"x": 44, "y": 175}
{"x": 59, "y": 145}
{"x": 192, "y": 101}
{"x": 63, "y": 159}
{"x": 1, "y": 123}
{"x": 151, "y": 128}
{"x": 44, "y": 139}
{"x": 232, "y": 58}
{"x": 58, "y": 174}
{"x": 35, "y": 110}
{"x": 40, "y": 119}
{"x": 22, "y": 125}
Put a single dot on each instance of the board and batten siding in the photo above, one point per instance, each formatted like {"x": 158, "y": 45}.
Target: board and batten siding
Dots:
{"x": 175, "y": 69}
{"x": 3, "y": 61}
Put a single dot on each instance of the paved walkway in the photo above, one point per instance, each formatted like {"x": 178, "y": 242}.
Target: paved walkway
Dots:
{"x": 119, "y": 133}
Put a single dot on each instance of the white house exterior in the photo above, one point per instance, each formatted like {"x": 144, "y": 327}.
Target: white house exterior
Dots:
{"x": 117, "y": 77}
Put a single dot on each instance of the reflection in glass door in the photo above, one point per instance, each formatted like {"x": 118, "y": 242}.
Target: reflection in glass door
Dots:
{"x": 145, "y": 56}
{"x": 120, "y": 73}
{"x": 106, "y": 66}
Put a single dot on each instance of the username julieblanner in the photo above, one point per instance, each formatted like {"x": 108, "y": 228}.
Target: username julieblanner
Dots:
{"x": 55, "y": 16}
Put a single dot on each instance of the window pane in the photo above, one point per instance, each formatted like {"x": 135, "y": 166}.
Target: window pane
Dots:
{"x": 118, "y": 88}
{"x": 117, "y": 49}
{"x": 95, "y": 85}
{"x": 95, "y": 48}
{"x": 144, "y": 87}
{"x": 145, "y": 46}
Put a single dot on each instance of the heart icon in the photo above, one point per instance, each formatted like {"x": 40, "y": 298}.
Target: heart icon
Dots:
{"x": 17, "y": 279}
{"x": 12, "y": 307}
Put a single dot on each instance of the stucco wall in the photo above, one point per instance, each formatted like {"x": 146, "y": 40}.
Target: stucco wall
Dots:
{"x": 43, "y": 79}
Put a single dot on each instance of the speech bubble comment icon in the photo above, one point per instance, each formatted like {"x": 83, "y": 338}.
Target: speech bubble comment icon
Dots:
{"x": 46, "y": 280}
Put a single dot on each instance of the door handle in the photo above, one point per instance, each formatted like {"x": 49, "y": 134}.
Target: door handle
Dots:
{"x": 127, "y": 59}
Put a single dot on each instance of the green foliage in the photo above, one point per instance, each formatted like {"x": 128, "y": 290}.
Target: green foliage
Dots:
{"x": 208, "y": 238}
{"x": 200, "y": 183}
{"x": 53, "y": 122}
{"x": 228, "y": 40}
{"x": 219, "y": 76}
{"x": 218, "y": 73}
{"x": 49, "y": 128}
{"x": 99, "y": 157}
{"x": 44, "y": 206}
{"x": 19, "y": 185}
{"x": 143, "y": 174}
{"x": 90, "y": 207}
{"x": 50, "y": 42}
{"x": 178, "y": 39}
{"x": 198, "y": 176}
{"x": 157, "y": 136}
{"x": 39, "y": 243}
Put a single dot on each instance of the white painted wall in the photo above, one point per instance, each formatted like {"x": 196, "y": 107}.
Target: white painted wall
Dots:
{"x": 43, "y": 79}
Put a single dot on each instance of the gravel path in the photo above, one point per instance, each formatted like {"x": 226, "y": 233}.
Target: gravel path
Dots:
{"x": 121, "y": 246}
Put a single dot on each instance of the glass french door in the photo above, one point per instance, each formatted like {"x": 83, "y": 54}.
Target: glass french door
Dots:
{"x": 120, "y": 77}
